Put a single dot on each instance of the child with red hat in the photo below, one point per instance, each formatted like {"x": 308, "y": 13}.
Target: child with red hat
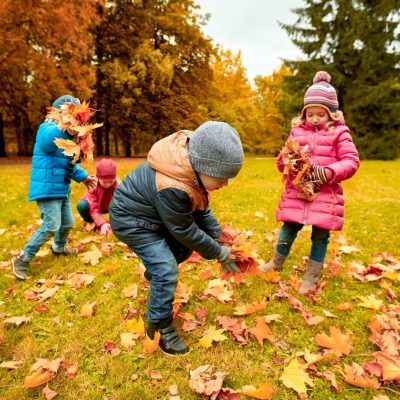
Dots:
{"x": 95, "y": 202}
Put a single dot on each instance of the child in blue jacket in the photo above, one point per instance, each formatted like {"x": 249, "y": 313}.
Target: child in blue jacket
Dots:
{"x": 161, "y": 211}
{"x": 50, "y": 187}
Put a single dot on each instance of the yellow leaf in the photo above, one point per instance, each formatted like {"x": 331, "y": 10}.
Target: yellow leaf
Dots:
{"x": 88, "y": 309}
{"x": 295, "y": 377}
{"x": 71, "y": 149}
{"x": 136, "y": 326}
{"x": 264, "y": 392}
{"x": 370, "y": 302}
{"x": 211, "y": 335}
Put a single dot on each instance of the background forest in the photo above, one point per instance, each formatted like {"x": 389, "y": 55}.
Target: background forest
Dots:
{"x": 150, "y": 71}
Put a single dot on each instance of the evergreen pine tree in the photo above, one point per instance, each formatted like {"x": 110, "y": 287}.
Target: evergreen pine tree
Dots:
{"x": 357, "y": 42}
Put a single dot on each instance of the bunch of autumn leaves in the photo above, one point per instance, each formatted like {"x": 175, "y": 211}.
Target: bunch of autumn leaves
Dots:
{"x": 74, "y": 119}
{"x": 296, "y": 166}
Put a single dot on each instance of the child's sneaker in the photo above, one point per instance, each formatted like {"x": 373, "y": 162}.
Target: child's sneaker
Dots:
{"x": 20, "y": 268}
{"x": 65, "y": 251}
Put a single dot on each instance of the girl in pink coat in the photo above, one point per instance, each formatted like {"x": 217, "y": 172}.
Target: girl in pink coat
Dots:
{"x": 333, "y": 158}
{"x": 96, "y": 201}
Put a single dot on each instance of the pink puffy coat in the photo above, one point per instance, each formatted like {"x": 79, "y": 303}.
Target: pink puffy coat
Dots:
{"x": 334, "y": 150}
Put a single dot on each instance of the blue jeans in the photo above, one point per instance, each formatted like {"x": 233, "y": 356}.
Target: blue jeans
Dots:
{"x": 161, "y": 259}
{"x": 319, "y": 239}
{"x": 83, "y": 208}
{"x": 58, "y": 219}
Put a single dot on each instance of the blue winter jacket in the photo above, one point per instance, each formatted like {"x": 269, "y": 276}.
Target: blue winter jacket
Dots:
{"x": 49, "y": 165}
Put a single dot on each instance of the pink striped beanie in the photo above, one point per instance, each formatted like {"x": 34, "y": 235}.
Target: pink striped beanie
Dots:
{"x": 321, "y": 93}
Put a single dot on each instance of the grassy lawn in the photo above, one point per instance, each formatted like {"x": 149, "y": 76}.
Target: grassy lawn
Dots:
{"x": 372, "y": 224}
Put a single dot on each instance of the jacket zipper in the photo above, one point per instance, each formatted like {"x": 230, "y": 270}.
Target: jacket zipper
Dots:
{"x": 312, "y": 155}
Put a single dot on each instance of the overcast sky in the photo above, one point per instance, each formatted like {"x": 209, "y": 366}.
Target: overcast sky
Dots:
{"x": 252, "y": 27}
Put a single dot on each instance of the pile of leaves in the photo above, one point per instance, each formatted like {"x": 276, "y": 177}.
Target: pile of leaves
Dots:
{"x": 295, "y": 158}
{"x": 74, "y": 119}
{"x": 244, "y": 255}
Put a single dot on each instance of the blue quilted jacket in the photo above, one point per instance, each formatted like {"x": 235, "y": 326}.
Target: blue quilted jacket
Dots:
{"x": 49, "y": 165}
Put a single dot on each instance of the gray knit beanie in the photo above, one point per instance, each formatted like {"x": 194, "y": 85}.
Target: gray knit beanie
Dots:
{"x": 215, "y": 150}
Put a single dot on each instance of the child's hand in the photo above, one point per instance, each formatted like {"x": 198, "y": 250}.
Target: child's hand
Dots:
{"x": 105, "y": 229}
{"x": 90, "y": 182}
{"x": 227, "y": 260}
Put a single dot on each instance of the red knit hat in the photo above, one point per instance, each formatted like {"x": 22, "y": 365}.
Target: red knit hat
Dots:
{"x": 106, "y": 169}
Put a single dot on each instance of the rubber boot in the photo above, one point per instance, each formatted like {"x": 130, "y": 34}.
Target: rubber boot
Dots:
{"x": 311, "y": 277}
{"x": 275, "y": 264}
{"x": 170, "y": 342}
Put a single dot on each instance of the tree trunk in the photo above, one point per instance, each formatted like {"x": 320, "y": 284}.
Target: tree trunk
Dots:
{"x": 107, "y": 135}
{"x": 2, "y": 141}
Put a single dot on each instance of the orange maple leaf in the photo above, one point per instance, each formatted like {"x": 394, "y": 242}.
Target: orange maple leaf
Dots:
{"x": 249, "y": 308}
{"x": 355, "y": 375}
{"x": 390, "y": 366}
{"x": 338, "y": 341}
{"x": 151, "y": 345}
{"x": 38, "y": 378}
{"x": 262, "y": 331}
{"x": 71, "y": 149}
{"x": 264, "y": 392}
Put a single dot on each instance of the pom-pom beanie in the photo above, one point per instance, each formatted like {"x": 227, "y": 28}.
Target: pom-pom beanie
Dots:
{"x": 321, "y": 94}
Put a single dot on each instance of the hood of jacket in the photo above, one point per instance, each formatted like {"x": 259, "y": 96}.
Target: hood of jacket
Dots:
{"x": 169, "y": 156}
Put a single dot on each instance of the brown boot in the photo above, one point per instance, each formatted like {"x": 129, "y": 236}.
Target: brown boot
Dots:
{"x": 311, "y": 277}
{"x": 275, "y": 264}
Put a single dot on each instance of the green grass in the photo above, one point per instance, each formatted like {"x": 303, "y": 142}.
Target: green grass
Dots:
{"x": 372, "y": 224}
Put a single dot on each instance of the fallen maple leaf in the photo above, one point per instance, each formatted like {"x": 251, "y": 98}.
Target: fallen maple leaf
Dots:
{"x": 262, "y": 331}
{"x": 295, "y": 377}
{"x": 70, "y": 369}
{"x": 390, "y": 366}
{"x": 88, "y": 309}
{"x": 355, "y": 375}
{"x": 128, "y": 339}
{"x": 270, "y": 276}
{"x": 338, "y": 341}
{"x": 219, "y": 289}
{"x": 131, "y": 291}
{"x": 204, "y": 381}
{"x": 370, "y": 302}
{"x": 249, "y": 308}
{"x": 10, "y": 364}
{"x": 91, "y": 256}
{"x": 17, "y": 320}
{"x": 212, "y": 335}
{"x": 329, "y": 376}
{"x": 48, "y": 393}
{"x": 264, "y": 392}
{"x": 136, "y": 325}
{"x": 78, "y": 280}
{"x": 345, "y": 306}
{"x": 38, "y": 378}
{"x": 51, "y": 365}
{"x": 151, "y": 345}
